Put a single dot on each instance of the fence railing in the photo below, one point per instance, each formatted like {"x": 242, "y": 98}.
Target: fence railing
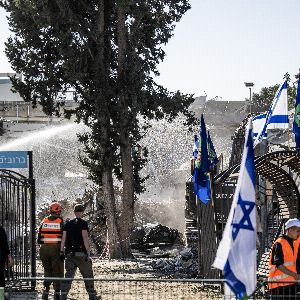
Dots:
{"x": 146, "y": 289}
{"x": 17, "y": 217}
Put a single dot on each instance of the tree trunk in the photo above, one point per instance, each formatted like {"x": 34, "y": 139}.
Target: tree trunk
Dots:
{"x": 102, "y": 110}
{"x": 127, "y": 213}
{"x": 115, "y": 250}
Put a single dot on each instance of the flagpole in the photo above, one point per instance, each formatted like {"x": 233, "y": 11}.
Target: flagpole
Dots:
{"x": 289, "y": 136}
{"x": 213, "y": 194}
{"x": 222, "y": 162}
{"x": 200, "y": 263}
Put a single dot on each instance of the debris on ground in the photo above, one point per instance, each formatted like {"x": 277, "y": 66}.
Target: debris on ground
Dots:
{"x": 185, "y": 265}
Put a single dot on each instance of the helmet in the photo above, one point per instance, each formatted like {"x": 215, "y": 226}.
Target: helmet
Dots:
{"x": 55, "y": 207}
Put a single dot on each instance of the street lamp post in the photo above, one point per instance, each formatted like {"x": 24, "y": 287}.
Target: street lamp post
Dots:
{"x": 250, "y": 86}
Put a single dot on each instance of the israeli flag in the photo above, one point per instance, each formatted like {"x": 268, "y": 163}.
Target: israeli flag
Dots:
{"x": 296, "y": 123}
{"x": 277, "y": 115}
{"x": 258, "y": 122}
{"x": 236, "y": 254}
{"x": 195, "y": 147}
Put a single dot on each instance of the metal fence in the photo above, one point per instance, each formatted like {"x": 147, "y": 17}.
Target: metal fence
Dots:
{"x": 146, "y": 289}
{"x": 154, "y": 289}
{"x": 17, "y": 216}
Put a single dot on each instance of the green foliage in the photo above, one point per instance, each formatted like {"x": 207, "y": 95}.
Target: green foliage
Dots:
{"x": 261, "y": 101}
{"x": 67, "y": 45}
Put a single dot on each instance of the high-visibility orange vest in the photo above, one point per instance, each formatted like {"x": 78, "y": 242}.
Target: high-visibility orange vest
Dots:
{"x": 290, "y": 258}
{"x": 51, "y": 231}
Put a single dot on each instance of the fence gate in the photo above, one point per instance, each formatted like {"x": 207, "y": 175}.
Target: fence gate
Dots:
{"x": 17, "y": 216}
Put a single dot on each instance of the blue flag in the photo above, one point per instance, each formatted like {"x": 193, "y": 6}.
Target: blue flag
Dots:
{"x": 212, "y": 155}
{"x": 236, "y": 254}
{"x": 204, "y": 153}
{"x": 296, "y": 124}
{"x": 201, "y": 177}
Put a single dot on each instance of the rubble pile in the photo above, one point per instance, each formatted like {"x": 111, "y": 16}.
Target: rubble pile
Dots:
{"x": 185, "y": 265}
{"x": 153, "y": 238}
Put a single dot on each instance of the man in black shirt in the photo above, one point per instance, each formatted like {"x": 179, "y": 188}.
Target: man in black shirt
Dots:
{"x": 76, "y": 249}
{"x": 5, "y": 257}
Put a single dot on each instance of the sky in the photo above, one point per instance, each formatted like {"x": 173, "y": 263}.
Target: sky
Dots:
{"x": 220, "y": 44}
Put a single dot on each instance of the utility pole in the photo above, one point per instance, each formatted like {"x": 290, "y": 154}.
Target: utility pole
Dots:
{"x": 250, "y": 86}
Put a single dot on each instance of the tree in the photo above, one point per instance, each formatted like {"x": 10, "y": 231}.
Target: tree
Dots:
{"x": 261, "y": 101}
{"x": 107, "y": 51}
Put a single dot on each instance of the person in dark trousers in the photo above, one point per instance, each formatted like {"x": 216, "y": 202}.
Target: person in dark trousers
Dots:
{"x": 50, "y": 235}
{"x": 5, "y": 257}
{"x": 284, "y": 263}
{"x": 75, "y": 248}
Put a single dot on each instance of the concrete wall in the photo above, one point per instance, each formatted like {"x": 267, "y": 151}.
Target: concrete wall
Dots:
{"x": 222, "y": 111}
{"x": 5, "y": 88}
{"x": 18, "y": 110}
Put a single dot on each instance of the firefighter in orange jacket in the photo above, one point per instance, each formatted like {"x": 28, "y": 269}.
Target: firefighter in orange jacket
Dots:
{"x": 50, "y": 234}
{"x": 283, "y": 262}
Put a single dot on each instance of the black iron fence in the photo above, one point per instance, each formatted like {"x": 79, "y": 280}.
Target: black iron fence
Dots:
{"x": 17, "y": 213}
{"x": 136, "y": 289}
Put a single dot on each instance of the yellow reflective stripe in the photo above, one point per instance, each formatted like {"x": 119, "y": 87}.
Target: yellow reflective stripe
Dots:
{"x": 286, "y": 264}
{"x": 278, "y": 277}
{"x": 50, "y": 239}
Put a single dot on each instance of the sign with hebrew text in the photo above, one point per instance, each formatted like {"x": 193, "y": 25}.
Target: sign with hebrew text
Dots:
{"x": 13, "y": 159}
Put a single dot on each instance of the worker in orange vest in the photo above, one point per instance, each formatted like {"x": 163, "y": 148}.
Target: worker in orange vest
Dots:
{"x": 50, "y": 234}
{"x": 283, "y": 263}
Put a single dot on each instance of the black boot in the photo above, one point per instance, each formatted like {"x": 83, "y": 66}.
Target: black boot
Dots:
{"x": 94, "y": 297}
{"x": 63, "y": 296}
{"x": 57, "y": 295}
{"x": 45, "y": 294}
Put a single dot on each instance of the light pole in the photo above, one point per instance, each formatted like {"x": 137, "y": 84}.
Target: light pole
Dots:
{"x": 250, "y": 86}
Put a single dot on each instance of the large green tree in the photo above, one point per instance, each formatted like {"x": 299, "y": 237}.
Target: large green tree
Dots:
{"x": 107, "y": 51}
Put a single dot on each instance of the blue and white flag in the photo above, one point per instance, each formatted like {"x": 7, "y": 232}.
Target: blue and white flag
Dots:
{"x": 195, "y": 147}
{"x": 236, "y": 254}
{"x": 296, "y": 124}
{"x": 277, "y": 115}
{"x": 258, "y": 122}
